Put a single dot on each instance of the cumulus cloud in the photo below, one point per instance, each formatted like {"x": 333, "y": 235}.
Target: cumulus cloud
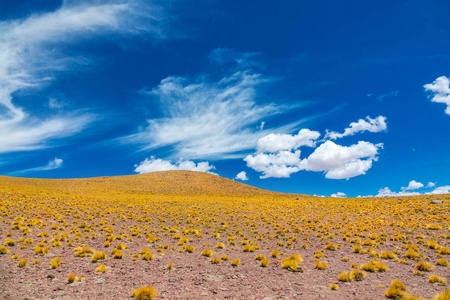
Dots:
{"x": 278, "y": 155}
{"x": 31, "y": 55}
{"x": 156, "y": 164}
{"x": 440, "y": 91}
{"x": 56, "y": 163}
{"x": 338, "y": 195}
{"x": 341, "y": 162}
{"x": 241, "y": 176}
{"x": 210, "y": 117}
{"x": 440, "y": 190}
{"x": 277, "y": 142}
{"x": 431, "y": 184}
{"x": 386, "y": 192}
{"x": 413, "y": 185}
{"x": 373, "y": 125}
{"x": 278, "y": 165}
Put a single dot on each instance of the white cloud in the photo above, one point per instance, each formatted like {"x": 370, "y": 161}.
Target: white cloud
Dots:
{"x": 373, "y": 125}
{"x": 386, "y": 192}
{"x": 154, "y": 165}
{"x": 440, "y": 190}
{"x": 242, "y": 176}
{"x": 31, "y": 54}
{"x": 52, "y": 164}
{"x": 340, "y": 162}
{"x": 278, "y": 165}
{"x": 338, "y": 195}
{"x": 276, "y": 142}
{"x": 431, "y": 184}
{"x": 440, "y": 89}
{"x": 413, "y": 185}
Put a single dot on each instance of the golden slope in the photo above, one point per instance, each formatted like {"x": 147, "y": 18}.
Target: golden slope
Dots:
{"x": 156, "y": 183}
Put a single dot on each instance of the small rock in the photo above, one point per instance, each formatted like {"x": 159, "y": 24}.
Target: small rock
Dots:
{"x": 436, "y": 202}
{"x": 51, "y": 276}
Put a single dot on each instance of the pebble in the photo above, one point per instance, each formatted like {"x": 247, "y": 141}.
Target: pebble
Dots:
{"x": 51, "y": 276}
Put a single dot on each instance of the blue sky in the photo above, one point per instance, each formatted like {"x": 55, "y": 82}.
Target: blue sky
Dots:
{"x": 316, "y": 97}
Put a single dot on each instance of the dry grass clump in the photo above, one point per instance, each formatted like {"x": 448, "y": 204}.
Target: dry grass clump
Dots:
{"x": 148, "y": 256}
{"x": 387, "y": 255}
{"x": 101, "y": 269}
{"x": 374, "y": 266}
{"x": 207, "y": 253}
{"x": 444, "y": 295}
{"x": 71, "y": 278}
{"x": 235, "y": 262}
{"x": 145, "y": 293}
{"x": 354, "y": 275}
{"x": 424, "y": 266}
{"x": 4, "y": 250}
{"x": 189, "y": 248}
{"x": 396, "y": 290}
{"x": 334, "y": 286}
{"x": 98, "y": 256}
{"x": 321, "y": 265}
{"x": 437, "y": 279}
{"x": 442, "y": 262}
{"x": 117, "y": 254}
{"x": 274, "y": 253}
{"x": 411, "y": 254}
{"x": 292, "y": 262}
{"x": 56, "y": 262}
{"x": 23, "y": 263}
{"x": 225, "y": 257}
{"x": 83, "y": 252}
{"x": 264, "y": 262}
{"x": 220, "y": 246}
{"x": 216, "y": 260}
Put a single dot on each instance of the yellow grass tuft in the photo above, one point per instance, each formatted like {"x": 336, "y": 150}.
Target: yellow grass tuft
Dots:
{"x": 235, "y": 262}
{"x": 145, "y": 293}
{"x": 396, "y": 290}
{"x": 98, "y": 256}
{"x": 225, "y": 257}
{"x": 292, "y": 262}
{"x": 207, "y": 253}
{"x": 442, "y": 262}
{"x": 321, "y": 265}
{"x": 220, "y": 246}
{"x": 437, "y": 279}
{"x": 264, "y": 262}
{"x": 4, "y": 250}
{"x": 424, "y": 266}
{"x": 71, "y": 278}
{"x": 101, "y": 269}
{"x": 23, "y": 263}
{"x": 444, "y": 295}
{"x": 216, "y": 260}
{"x": 274, "y": 253}
{"x": 56, "y": 262}
{"x": 148, "y": 256}
{"x": 334, "y": 286}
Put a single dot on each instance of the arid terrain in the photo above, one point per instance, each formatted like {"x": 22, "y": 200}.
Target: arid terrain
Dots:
{"x": 153, "y": 230}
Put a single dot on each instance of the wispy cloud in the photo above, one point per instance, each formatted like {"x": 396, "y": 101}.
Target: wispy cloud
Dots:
{"x": 31, "y": 56}
{"x": 52, "y": 164}
{"x": 211, "y": 116}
